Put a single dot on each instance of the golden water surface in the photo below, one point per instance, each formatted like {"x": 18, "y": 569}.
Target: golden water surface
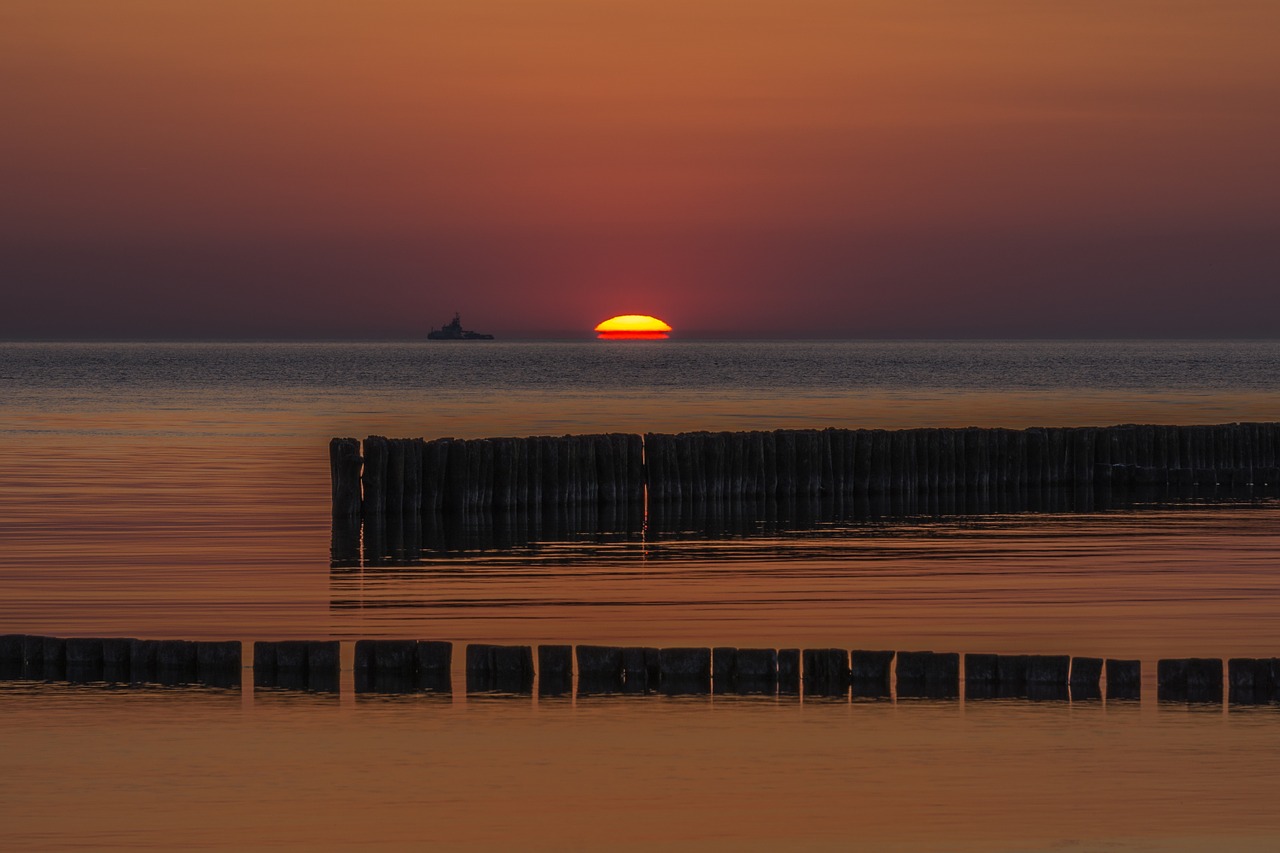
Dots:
{"x": 185, "y": 516}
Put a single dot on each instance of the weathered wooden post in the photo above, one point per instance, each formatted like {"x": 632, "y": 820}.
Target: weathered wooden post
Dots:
{"x": 784, "y": 441}
{"x": 1048, "y": 676}
{"x": 789, "y": 671}
{"x": 142, "y": 660}
{"x": 504, "y": 474}
{"x": 685, "y": 670}
{"x": 373, "y": 479}
{"x": 641, "y": 669}
{"x": 928, "y": 674}
{"x": 754, "y": 671}
{"x": 218, "y": 662}
{"x": 434, "y": 665}
{"x": 549, "y": 453}
{"x": 395, "y": 477}
{"x": 1251, "y": 681}
{"x": 1190, "y": 680}
{"x": 722, "y": 661}
{"x": 1086, "y": 676}
{"x": 84, "y": 659}
{"x": 600, "y": 669}
{"x": 606, "y": 473}
{"x": 1124, "y": 679}
{"x": 1011, "y": 675}
{"x": 870, "y": 672}
{"x": 11, "y": 656}
{"x": 502, "y": 669}
{"x": 769, "y": 459}
{"x": 555, "y": 670}
{"x": 386, "y": 666}
{"x": 115, "y": 659}
{"x": 826, "y": 671}
{"x": 981, "y": 676}
{"x": 344, "y": 473}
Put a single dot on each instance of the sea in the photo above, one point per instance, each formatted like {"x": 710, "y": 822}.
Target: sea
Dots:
{"x": 181, "y": 491}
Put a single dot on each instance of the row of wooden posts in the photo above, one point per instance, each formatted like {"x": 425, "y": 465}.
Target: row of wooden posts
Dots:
{"x": 382, "y": 476}
{"x": 409, "y": 665}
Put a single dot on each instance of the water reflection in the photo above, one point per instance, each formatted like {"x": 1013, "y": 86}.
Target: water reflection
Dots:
{"x": 409, "y": 539}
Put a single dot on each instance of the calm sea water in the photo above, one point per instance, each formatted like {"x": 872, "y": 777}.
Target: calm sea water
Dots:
{"x": 182, "y": 491}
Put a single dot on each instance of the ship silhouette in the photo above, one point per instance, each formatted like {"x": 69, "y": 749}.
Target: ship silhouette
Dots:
{"x": 453, "y": 331}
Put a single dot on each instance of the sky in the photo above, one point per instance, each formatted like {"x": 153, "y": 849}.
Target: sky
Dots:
{"x": 847, "y": 168}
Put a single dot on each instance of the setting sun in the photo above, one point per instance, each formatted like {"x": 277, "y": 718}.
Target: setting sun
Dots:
{"x": 632, "y": 327}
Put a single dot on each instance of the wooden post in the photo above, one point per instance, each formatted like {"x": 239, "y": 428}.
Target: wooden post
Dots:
{"x": 769, "y": 460}
{"x": 606, "y": 473}
{"x": 373, "y": 479}
{"x": 555, "y": 670}
{"x": 395, "y": 477}
{"x": 641, "y": 669}
{"x": 600, "y": 669}
{"x": 344, "y": 473}
{"x": 785, "y": 441}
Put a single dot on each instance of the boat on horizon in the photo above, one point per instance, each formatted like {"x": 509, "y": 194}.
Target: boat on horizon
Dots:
{"x": 453, "y": 331}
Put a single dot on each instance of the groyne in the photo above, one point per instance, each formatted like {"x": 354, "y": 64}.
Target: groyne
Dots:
{"x": 409, "y": 666}
{"x": 383, "y": 477}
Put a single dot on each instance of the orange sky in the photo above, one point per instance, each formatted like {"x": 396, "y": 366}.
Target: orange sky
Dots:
{"x": 862, "y": 168}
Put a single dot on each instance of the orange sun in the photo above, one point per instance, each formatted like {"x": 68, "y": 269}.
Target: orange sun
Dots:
{"x": 632, "y": 327}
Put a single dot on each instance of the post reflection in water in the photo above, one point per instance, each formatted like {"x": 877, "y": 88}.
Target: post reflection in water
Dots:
{"x": 399, "y": 539}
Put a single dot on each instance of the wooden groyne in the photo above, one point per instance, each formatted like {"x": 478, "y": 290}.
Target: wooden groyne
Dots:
{"x": 382, "y": 477}
{"x": 408, "y": 666}
{"x": 120, "y": 659}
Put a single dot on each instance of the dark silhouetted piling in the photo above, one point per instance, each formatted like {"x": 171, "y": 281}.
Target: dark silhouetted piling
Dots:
{"x": 54, "y": 658}
{"x": 753, "y": 671}
{"x": 600, "y": 669}
{"x": 386, "y": 666}
{"x": 870, "y": 673}
{"x": 11, "y": 662}
{"x": 1011, "y": 673}
{"x": 981, "y": 676}
{"x": 1124, "y": 679}
{"x": 344, "y": 471}
{"x": 826, "y": 671}
{"x": 115, "y": 658}
{"x": 175, "y": 661}
{"x": 218, "y": 662}
{"x": 434, "y": 660}
{"x": 373, "y": 479}
{"x": 1086, "y": 678}
{"x": 928, "y": 674}
{"x": 915, "y": 470}
{"x": 1189, "y": 680}
{"x": 499, "y": 669}
{"x": 296, "y": 665}
{"x": 84, "y": 659}
{"x": 685, "y": 670}
{"x": 722, "y": 663}
{"x": 870, "y": 665}
{"x": 788, "y": 670}
{"x": 1048, "y": 670}
{"x": 641, "y": 669}
{"x": 980, "y": 668}
{"x": 1251, "y": 681}
{"x": 555, "y": 670}
{"x": 142, "y": 660}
